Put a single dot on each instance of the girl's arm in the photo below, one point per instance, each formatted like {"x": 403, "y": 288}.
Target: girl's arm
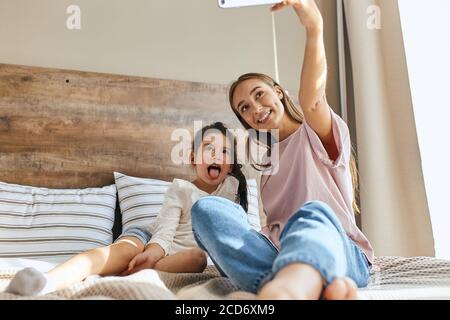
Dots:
{"x": 312, "y": 94}
{"x": 164, "y": 230}
{"x": 168, "y": 218}
{"x": 145, "y": 260}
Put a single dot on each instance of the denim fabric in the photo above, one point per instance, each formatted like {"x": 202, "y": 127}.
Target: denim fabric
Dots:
{"x": 140, "y": 232}
{"x": 313, "y": 236}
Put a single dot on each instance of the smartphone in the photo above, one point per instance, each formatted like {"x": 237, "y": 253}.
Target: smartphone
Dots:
{"x": 245, "y": 3}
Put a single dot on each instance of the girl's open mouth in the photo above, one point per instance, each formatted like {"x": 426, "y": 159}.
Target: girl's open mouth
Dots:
{"x": 214, "y": 171}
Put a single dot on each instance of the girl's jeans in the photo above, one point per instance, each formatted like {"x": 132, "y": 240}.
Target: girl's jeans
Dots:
{"x": 313, "y": 236}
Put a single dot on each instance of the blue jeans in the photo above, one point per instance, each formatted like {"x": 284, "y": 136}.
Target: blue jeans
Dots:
{"x": 140, "y": 232}
{"x": 313, "y": 236}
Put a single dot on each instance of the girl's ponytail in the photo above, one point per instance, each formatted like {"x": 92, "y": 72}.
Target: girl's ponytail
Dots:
{"x": 242, "y": 189}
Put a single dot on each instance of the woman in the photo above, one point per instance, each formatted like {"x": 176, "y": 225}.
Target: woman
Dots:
{"x": 304, "y": 253}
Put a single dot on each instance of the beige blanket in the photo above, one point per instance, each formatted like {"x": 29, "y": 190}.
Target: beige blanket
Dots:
{"x": 392, "y": 278}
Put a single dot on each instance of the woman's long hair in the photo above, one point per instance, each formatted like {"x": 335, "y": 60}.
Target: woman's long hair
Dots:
{"x": 235, "y": 166}
{"x": 295, "y": 114}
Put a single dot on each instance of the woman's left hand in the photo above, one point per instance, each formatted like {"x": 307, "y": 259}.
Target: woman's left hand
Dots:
{"x": 307, "y": 11}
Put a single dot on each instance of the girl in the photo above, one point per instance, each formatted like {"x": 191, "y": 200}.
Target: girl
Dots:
{"x": 311, "y": 246}
{"x": 172, "y": 247}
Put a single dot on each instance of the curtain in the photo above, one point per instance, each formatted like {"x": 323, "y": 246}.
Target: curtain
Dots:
{"x": 378, "y": 108}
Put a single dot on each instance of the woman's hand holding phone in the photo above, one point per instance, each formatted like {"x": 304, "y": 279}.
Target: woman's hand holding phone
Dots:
{"x": 307, "y": 11}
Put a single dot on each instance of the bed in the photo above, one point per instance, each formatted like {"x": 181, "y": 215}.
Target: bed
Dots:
{"x": 70, "y": 129}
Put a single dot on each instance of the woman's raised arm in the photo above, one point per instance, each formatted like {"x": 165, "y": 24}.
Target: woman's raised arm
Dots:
{"x": 312, "y": 93}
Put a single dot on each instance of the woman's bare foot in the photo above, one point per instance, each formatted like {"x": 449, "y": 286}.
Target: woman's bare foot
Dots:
{"x": 293, "y": 282}
{"x": 341, "y": 289}
{"x": 303, "y": 282}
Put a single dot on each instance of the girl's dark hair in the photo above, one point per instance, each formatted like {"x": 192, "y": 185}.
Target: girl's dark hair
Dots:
{"x": 235, "y": 166}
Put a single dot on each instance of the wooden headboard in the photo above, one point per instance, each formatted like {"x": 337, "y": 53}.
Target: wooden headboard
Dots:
{"x": 71, "y": 129}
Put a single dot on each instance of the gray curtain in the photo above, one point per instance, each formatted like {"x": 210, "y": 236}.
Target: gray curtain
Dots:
{"x": 378, "y": 108}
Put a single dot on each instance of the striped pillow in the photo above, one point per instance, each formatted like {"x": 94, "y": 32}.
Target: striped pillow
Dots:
{"x": 141, "y": 199}
{"x": 54, "y": 224}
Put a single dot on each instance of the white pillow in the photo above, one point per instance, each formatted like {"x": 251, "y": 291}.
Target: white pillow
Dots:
{"x": 54, "y": 224}
{"x": 141, "y": 199}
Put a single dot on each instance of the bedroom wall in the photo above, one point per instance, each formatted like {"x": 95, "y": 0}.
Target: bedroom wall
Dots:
{"x": 178, "y": 39}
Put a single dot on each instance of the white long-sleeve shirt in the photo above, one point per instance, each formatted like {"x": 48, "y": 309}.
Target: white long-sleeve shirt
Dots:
{"x": 172, "y": 229}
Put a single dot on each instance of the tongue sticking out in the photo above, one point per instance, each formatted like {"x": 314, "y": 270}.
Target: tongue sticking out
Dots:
{"x": 214, "y": 173}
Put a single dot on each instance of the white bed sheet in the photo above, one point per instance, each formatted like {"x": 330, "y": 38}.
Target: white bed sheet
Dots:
{"x": 14, "y": 264}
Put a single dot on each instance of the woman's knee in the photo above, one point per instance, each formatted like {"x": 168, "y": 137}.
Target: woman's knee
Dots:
{"x": 318, "y": 206}
{"x": 315, "y": 213}
{"x": 201, "y": 211}
{"x": 202, "y": 206}
{"x": 208, "y": 209}
{"x": 320, "y": 211}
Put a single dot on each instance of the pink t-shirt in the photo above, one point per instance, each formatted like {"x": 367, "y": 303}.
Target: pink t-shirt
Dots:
{"x": 306, "y": 173}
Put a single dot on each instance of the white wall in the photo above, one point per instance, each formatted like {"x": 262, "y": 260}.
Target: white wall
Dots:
{"x": 180, "y": 39}
{"x": 426, "y": 31}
